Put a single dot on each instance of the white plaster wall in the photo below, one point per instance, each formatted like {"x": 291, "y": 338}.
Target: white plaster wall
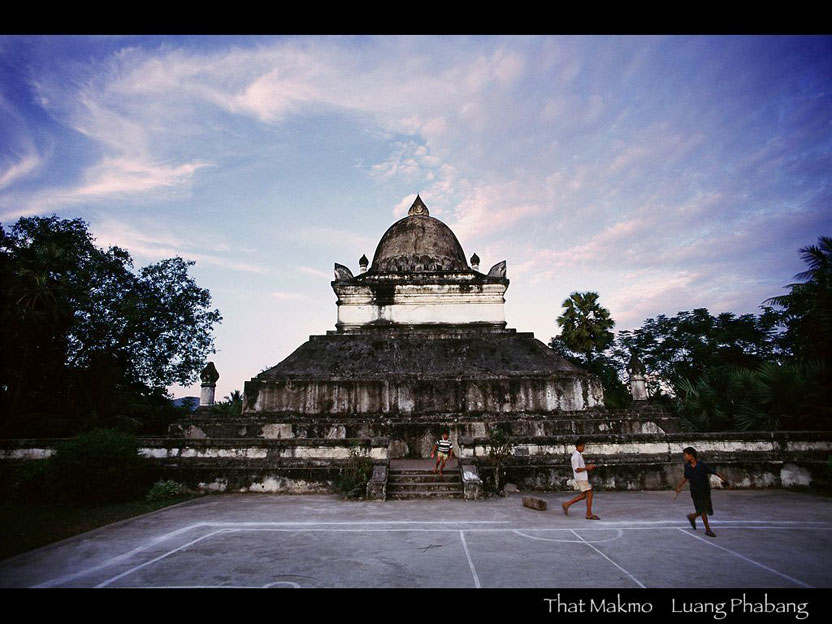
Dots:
{"x": 792, "y": 475}
{"x": 732, "y": 446}
{"x": 218, "y": 485}
{"x": 423, "y": 304}
{"x": 422, "y": 313}
{"x": 254, "y": 453}
{"x": 330, "y": 452}
{"x": 30, "y": 453}
{"x": 276, "y": 431}
{"x": 803, "y": 445}
{"x": 285, "y": 486}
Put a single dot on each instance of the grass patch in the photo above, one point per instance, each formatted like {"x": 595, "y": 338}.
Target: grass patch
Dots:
{"x": 27, "y": 526}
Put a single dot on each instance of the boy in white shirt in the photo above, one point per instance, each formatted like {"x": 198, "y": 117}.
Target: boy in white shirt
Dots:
{"x": 581, "y": 478}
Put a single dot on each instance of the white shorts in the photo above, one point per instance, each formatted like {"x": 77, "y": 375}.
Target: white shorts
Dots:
{"x": 582, "y": 485}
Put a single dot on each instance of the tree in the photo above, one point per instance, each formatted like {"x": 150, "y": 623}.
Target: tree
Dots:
{"x": 807, "y": 308}
{"x": 84, "y": 335}
{"x": 232, "y": 405}
{"x": 684, "y": 346}
{"x": 585, "y": 325}
{"x": 585, "y": 336}
{"x": 765, "y": 398}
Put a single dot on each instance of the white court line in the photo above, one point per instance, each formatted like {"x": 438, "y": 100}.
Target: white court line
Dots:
{"x": 470, "y": 562}
{"x": 305, "y": 526}
{"x": 608, "y": 559}
{"x": 159, "y": 558}
{"x": 756, "y": 563}
{"x": 157, "y": 540}
{"x": 153, "y": 542}
{"x": 681, "y": 526}
{"x": 357, "y": 523}
{"x": 673, "y": 520}
{"x": 519, "y": 532}
{"x": 266, "y": 586}
{"x": 282, "y": 530}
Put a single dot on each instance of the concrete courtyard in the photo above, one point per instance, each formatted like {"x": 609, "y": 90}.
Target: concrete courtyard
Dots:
{"x": 765, "y": 539}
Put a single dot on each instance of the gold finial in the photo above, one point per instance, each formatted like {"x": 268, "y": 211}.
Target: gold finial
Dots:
{"x": 418, "y": 209}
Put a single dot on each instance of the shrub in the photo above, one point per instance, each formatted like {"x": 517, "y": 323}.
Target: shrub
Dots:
{"x": 500, "y": 449}
{"x": 355, "y": 474}
{"x": 97, "y": 467}
{"x": 163, "y": 490}
{"x": 29, "y": 482}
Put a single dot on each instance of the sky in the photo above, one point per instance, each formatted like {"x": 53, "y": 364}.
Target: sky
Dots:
{"x": 665, "y": 173}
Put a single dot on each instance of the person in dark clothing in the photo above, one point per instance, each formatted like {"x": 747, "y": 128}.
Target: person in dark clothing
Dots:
{"x": 697, "y": 472}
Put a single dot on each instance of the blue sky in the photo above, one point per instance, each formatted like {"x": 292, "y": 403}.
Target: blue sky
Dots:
{"x": 665, "y": 173}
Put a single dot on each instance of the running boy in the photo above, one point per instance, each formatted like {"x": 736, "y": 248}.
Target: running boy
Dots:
{"x": 581, "y": 478}
{"x": 445, "y": 450}
{"x": 700, "y": 488}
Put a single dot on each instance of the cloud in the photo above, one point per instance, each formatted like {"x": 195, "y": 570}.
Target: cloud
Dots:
{"x": 408, "y": 160}
{"x": 333, "y": 238}
{"x": 290, "y": 296}
{"x": 120, "y": 176}
{"x": 24, "y": 167}
{"x": 561, "y": 154}
{"x": 153, "y": 243}
{"x": 21, "y": 158}
{"x": 315, "y": 272}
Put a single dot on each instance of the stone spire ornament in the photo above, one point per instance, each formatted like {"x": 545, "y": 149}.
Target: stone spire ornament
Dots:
{"x": 475, "y": 262}
{"x": 363, "y": 263}
{"x": 208, "y": 376}
{"x": 418, "y": 209}
{"x": 638, "y": 387}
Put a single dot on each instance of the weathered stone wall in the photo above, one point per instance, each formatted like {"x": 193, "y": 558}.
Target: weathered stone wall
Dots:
{"x": 463, "y": 303}
{"x": 654, "y": 461}
{"x": 626, "y": 461}
{"x": 300, "y": 466}
{"x": 416, "y": 372}
{"x": 429, "y": 396}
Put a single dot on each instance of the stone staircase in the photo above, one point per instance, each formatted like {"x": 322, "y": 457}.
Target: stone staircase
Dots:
{"x": 409, "y": 480}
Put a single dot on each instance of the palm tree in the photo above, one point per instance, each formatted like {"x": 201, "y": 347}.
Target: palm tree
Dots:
{"x": 585, "y": 324}
{"x": 232, "y": 404}
{"x": 807, "y": 308}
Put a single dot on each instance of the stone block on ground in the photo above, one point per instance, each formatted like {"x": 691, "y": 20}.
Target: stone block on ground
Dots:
{"x": 534, "y": 503}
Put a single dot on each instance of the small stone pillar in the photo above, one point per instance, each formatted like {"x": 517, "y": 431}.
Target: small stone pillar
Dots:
{"x": 475, "y": 262}
{"x": 363, "y": 262}
{"x": 638, "y": 387}
{"x": 209, "y": 376}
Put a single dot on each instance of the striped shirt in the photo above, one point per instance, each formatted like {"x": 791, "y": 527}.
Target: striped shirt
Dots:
{"x": 444, "y": 446}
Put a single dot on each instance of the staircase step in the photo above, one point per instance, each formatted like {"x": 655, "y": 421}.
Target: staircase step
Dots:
{"x": 446, "y": 487}
{"x": 417, "y": 482}
{"x": 423, "y": 494}
{"x": 424, "y": 479}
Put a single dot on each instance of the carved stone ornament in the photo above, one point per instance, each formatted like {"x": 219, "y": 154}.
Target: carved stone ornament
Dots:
{"x": 498, "y": 270}
{"x": 209, "y": 374}
{"x": 418, "y": 209}
{"x": 342, "y": 273}
{"x": 634, "y": 366}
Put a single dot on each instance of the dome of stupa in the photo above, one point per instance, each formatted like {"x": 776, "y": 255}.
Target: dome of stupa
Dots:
{"x": 418, "y": 243}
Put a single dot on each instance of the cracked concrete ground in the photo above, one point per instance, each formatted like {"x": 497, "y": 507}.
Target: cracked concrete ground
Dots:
{"x": 765, "y": 539}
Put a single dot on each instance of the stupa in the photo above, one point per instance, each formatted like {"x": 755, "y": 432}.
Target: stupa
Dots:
{"x": 420, "y": 337}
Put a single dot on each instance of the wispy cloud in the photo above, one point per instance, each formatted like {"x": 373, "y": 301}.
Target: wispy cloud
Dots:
{"x": 315, "y": 272}
{"x": 290, "y": 296}
{"x": 25, "y": 166}
{"x": 155, "y": 243}
{"x": 666, "y": 171}
{"x": 332, "y": 238}
{"x": 19, "y": 158}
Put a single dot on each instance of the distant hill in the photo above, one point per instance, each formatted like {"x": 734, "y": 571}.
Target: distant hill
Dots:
{"x": 191, "y": 401}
